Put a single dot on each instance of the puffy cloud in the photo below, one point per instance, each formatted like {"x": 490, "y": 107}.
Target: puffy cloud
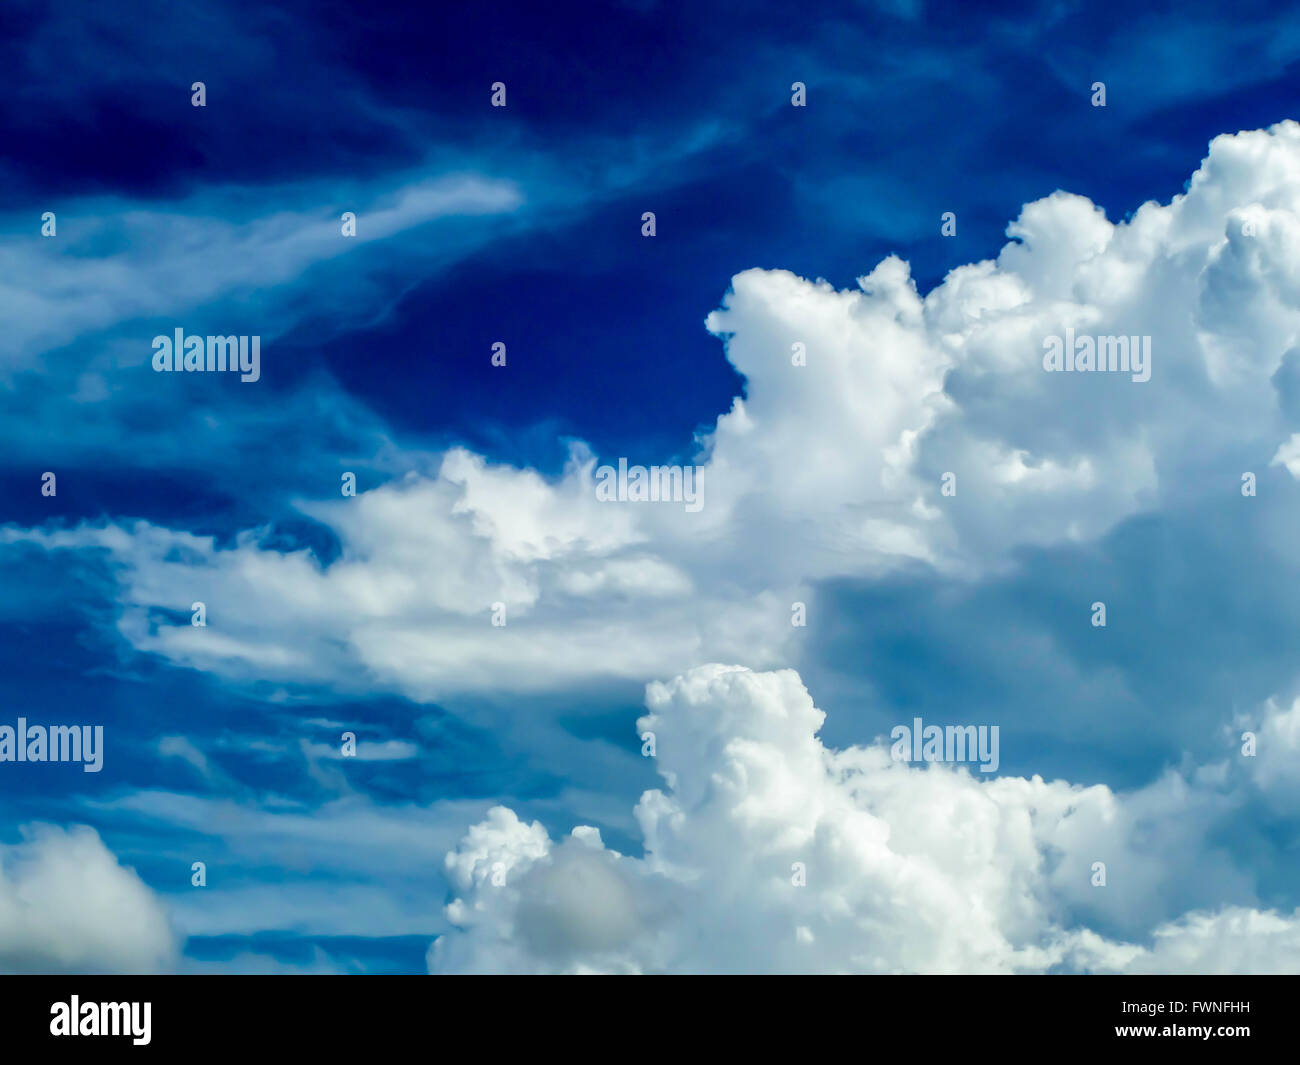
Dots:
{"x": 67, "y": 905}
{"x": 1235, "y": 940}
{"x": 1274, "y": 763}
{"x": 410, "y": 599}
{"x": 908, "y": 869}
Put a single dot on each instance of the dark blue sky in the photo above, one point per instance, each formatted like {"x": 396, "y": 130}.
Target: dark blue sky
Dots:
{"x": 613, "y": 109}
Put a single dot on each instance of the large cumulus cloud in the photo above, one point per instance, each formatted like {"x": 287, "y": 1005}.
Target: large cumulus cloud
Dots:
{"x": 903, "y": 868}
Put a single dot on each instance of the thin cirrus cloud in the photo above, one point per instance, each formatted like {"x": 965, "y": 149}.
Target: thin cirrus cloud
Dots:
{"x": 113, "y": 266}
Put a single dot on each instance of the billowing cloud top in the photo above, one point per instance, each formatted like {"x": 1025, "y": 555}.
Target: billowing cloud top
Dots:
{"x": 769, "y": 852}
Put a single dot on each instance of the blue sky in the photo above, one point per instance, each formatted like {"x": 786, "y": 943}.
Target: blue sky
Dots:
{"x": 522, "y": 225}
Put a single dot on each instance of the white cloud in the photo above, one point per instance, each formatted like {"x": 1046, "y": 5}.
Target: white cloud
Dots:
{"x": 907, "y": 869}
{"x": 66, "y": 905}
{"x": 1275, "y": 764}
{"x": 175, "y": 261}
{"x": 1233, "y": 941}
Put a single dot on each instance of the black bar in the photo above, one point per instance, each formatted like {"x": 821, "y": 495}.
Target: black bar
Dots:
{"x": 435, "y": 1016}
